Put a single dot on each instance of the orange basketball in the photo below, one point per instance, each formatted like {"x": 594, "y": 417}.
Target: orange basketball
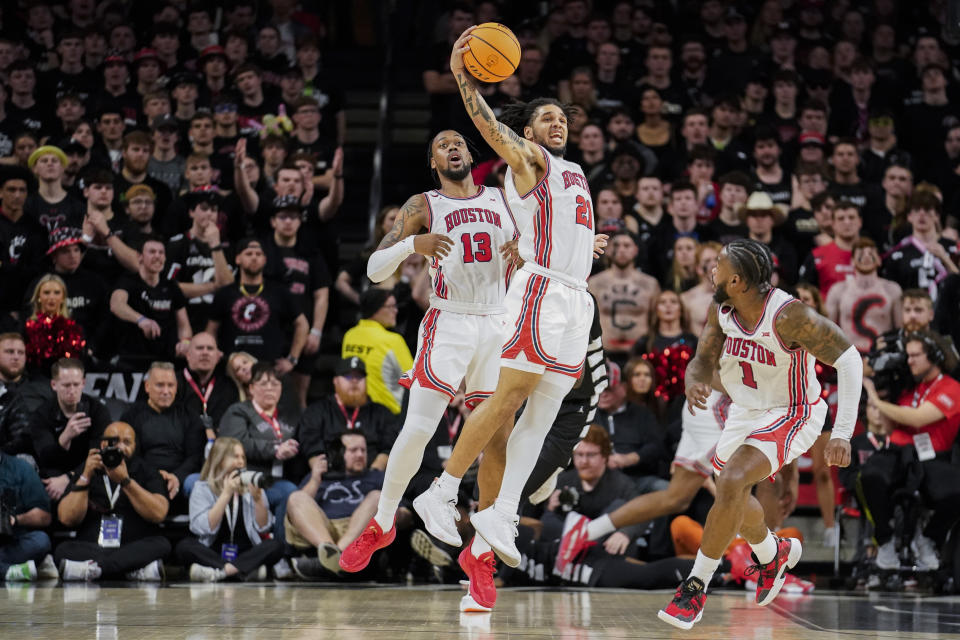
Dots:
{"x": 494, "y": 52}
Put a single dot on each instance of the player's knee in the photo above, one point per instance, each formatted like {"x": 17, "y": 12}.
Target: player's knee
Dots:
{"x": 732, "y": 482}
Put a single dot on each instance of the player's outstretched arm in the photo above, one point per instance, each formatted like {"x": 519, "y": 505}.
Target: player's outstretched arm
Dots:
{"x": 700, "y": 372}
{"x": 800, "y": 326}
{"x": 521, "y": 155}
{"x": 401, "y": 240}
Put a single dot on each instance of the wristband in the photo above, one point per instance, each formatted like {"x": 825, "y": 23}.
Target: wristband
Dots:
{"x": 141, "y": 319}
{"x": 87, "y": 238}
{"x": 219, "y": 247}
{"x": 293, "y": 359}
{"x": 316, "y": 332}
{"x": 85, "y": 480}
{"x": 125, "y": 481}
{"x": 338, "y": 176}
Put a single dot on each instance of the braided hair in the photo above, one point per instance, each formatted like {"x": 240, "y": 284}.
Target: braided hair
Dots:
{"x": 752, "y": 261}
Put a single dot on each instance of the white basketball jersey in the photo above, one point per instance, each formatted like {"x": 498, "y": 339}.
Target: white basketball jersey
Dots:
{"x": 473, "y": 276}
{"x": 556, "y": 222}
{"x": 757, "y": 369}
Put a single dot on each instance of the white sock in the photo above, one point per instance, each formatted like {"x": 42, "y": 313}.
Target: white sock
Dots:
{"x": 479, "y": 547}
{"x": 423, "y": 414}
{"x": 448, "y": 486}
{"x": 766, "y": 550}
{"x": 528, "y": 435}
{"x": 704, "y": 568}
{"x": 600, "y": 527}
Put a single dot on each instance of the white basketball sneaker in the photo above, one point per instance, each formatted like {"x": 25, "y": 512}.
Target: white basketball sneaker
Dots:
{"x": 500, "y": 533}
{"x": 439, "y": 514}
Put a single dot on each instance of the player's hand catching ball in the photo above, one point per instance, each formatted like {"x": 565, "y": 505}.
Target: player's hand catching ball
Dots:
{"x": 697, "y": 394}
{"x": 460, "y": 47}
{"x": 837, "y": 452}
{"x": 432, "y": 245}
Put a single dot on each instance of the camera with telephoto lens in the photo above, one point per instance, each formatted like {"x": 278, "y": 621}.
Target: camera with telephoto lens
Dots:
{"x": 255, "y": 479}
{"x": 891, "y": 375}
{"x": 569, "y": 499}
{"x": 111, "y": 454}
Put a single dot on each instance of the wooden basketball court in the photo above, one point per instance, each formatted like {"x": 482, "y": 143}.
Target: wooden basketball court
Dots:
{"x": 282, "y": 611}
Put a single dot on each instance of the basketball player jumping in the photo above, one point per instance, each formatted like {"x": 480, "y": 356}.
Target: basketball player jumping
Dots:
{"x": 461, "y": 333}
{"x": 548, "y": 308}
{"x": 765, "y": 344}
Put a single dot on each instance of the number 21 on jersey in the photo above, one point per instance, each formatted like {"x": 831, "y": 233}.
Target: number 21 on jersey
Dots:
{"x": 584, "y": 212}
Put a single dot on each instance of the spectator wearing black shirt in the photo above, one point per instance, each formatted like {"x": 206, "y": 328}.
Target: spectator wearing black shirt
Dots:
{"x": 110, "y": 128}
{"x": 802, "y": 227}
{"x": 139, "y": 204}
{"x": 52, "y": 206}
{"x": 185, "y": 92}
{"x": 202, "y": 387}
{"x": 289, "y": 261}
{"x": 254, "y": 104}
{"x": 171, "y": 439}
{"x": 346, "y": 410}
{"x": 23, "y": 107}
{"x": 731, "y": 67}
{"x": 137, "y": 147}
{"x": 638, "y": 441}
{"x": 150, "y": 310}
{"x": 212, "y": 64}
{"x": 201, "y": 134}
{"x": 64, "y": 427}
{"x": 18, "y": 400}
{"x": 22, "y": 241}
{"x": 782, "y": 116}
{"x": 533, "y": 81}
{"x": 683, "y": 208}
{"x": 270, "y": 57}
{"x": 648, "y": 213}
{"x": 115, "y": 93}
{"x": 592, "y": 156}
{"x": 70, "y": 111}
{"x": 735, "y": 188}
{"x": 852, "y": 103}
{"x": 306, "y": 138}
{"x": 883, "y": 148}
{"x": 659, "y": 65}
{"x": 770, "y": 176}
{"x": 196, "y": 259}
{"x": 254, "y": 315}
{"x": 929, "y": 120}
{"x": 847, "y": 184}
{"x": 923, "y": 259}
{"x": 693, "y": 73}
{"x": 327, "y": 93}
{"x": 131, "y": 492}
{"x": 885, "y": 220}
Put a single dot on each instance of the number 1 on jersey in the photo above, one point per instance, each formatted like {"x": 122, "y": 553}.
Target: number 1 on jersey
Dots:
{"x": 482, "y": 253}
{"x": 748, "y": 378}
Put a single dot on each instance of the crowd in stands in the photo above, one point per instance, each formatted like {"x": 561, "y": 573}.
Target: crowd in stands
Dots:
{"x": 170, "y": 181}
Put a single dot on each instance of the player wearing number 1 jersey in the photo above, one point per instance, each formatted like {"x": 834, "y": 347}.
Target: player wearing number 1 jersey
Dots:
{"x": 549, "y": 312}
{"x": 466, "y": 228}
{"x": 764, "y": 343}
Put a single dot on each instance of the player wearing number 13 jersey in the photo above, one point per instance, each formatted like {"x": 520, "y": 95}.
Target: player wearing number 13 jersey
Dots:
{"x": 464, "y": 229}
{"x": 764, "y": 343}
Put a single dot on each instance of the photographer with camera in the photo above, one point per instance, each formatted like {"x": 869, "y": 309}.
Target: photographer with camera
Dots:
{"x": 24, "y": 511}
{"x": 115, "y": 505}
{"x": 228, "y": 494}
{"x": 64, "y": 426}
{"x": 331, "y": 510}
{"x": 926, "y": 420}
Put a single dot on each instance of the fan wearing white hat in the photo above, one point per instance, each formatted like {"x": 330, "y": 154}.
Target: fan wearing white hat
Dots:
{"x": 761, "y": 215}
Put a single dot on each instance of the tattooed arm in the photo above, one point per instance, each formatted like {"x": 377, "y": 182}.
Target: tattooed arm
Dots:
{"x": 700, "y": 372}
{"x": 402, "y": 240}
{"x": 523, "y": 156}
{"x": 798, "y": 325}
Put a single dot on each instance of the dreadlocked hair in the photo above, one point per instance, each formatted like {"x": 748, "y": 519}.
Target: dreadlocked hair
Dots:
{"x": 517, "y": 114}
{"x": 752, "y": 261}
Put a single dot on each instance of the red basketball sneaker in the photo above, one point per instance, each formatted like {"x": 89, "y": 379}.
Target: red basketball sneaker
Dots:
{"x": 686, "y": 608}
{"x": 480, "y": 571}
{"x": 574, "y": 540}
{"x": 770, "y": 576}
{"x": 357, "y": 555}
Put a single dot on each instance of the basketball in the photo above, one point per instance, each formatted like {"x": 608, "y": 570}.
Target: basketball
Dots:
{"x": 494, "y": 53}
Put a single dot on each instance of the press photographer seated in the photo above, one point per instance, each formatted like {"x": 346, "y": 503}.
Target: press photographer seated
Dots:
{"x": 331, "y": 509}
{"x": 115, "y": 505}
{"x": 926, "y": 419}
{"x": 229, "y": 513}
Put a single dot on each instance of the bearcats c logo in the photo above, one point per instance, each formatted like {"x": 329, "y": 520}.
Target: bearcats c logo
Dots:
{"x": 250, "y": 314}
